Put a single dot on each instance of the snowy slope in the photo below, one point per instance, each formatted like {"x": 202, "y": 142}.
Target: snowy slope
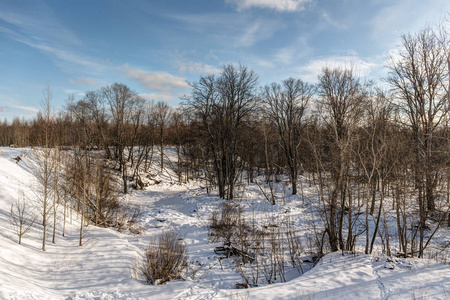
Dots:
{"x": 100, "y": 269}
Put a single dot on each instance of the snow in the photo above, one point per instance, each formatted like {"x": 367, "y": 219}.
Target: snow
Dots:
{"x": 101, "y": 268}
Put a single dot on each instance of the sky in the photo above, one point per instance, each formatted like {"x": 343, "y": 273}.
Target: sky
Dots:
{"x": 158, "y": 47}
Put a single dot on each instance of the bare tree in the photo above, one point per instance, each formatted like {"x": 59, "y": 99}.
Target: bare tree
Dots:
{"x": 285, "y": 105}
{"x": 122, "y": 102}
{"x": 56, "y": 195}
{"x": 45, "y": 168}
{"x": 419, "y": 77}
{"x": 341, "y": 106}
{"x": 20, "y": 218}
{"x": 80, "y": 178}
{"x": 44, "y": 189}
{"x": 99, "y": 113}
{"x": 221, "y": 104}
{"x": 178, "y": 137}
{"x": 161, "y": 116}
{"x": 143, "y": 144}
{"x": 373, "y": 155}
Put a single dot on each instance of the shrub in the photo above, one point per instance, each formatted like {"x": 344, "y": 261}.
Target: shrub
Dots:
{"x": 164, "y": 259}
{"x": 224, "y": 223}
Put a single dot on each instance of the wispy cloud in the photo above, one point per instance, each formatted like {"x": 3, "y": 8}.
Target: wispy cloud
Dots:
{"x": 26, "y": 108}
{"x": 337, "y": 24}
{"x": 46, "y": 27}
{"x": 83, "y": 81}
{"x": 9, "y": 111}
{"x": 290, "y": 55}
{"x": 48, "y": 35}
{"x": 75, "y": 92}
{"x": 237, "y": 30}
{"x": 394, "y": 20}
{"x": 196, "y": 68}
{"x": 313, "y": 68}
{"x": 255, "y": 32}
{"x": 278, "y": 5}
{"x": 264, "y": 63}
{"x": 285, "y": 55}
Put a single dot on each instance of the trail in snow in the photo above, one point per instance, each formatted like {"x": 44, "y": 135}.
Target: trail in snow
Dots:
{"x": 384, "y": 294}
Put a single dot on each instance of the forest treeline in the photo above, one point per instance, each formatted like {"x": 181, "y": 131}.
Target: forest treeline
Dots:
{"x": 363, "y": 146}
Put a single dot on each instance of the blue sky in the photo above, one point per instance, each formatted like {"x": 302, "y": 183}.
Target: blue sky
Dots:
{"x": 155, "y": 47}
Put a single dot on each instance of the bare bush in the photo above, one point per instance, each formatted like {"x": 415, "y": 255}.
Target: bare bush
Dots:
{"x": 164, "y": 259}
{"x": 224, "y": 223}
{"x": 294, "y": 245}
{"x": 126, "y": 219}
{"x": 104, "y": 201}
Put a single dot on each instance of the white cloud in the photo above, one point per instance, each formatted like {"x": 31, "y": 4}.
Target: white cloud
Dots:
{"x": 264, "y": 63}
{"x": 164, "y": 86}
{"x": 83, "y": 81}
{"x": 156, "y": 81}
{"x": 196, "y": 68}
{"x": 361, "y": 67}
{"x": 278, "y": 5}
{"x": 285, "y": 55}
{"x": 163, "y": 96}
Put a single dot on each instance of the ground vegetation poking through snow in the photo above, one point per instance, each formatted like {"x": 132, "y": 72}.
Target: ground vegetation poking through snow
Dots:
{"x": 164, "y": 259}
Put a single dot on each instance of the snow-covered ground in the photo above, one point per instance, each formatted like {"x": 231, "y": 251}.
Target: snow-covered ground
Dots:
{"x": 101, "y": 268}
